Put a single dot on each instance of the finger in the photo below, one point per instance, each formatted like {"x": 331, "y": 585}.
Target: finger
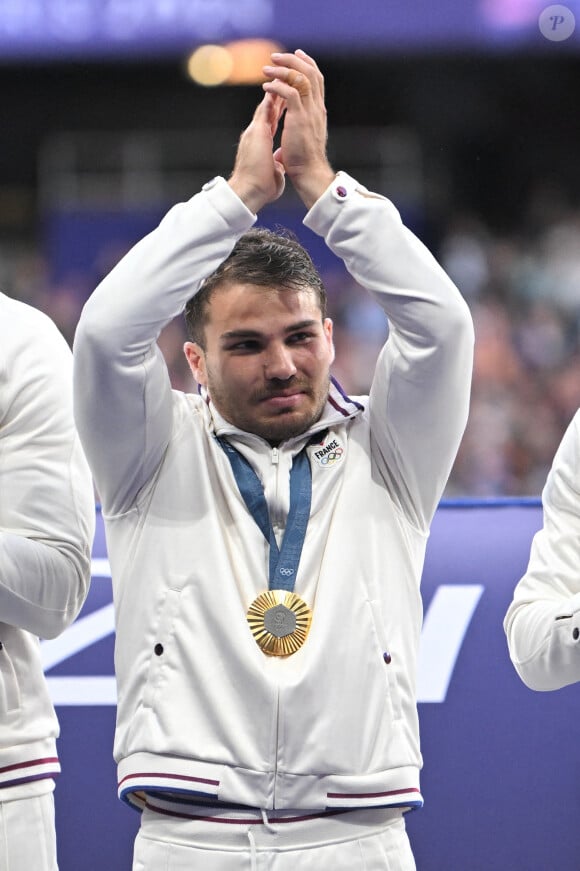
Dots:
{"x": 306, "y": 57}
{"x": 310, "y": 60}
{"x": 263, "y": 109}
{"x": 299, "y": 82}
{"x": 301, "y": 63}
{"x": 292, "y": 59}
{"x": 295, "y": 79}
{"x": 274, "y": 109}
{"x": 289, "y": 95}
{"x": 269, "y": 111}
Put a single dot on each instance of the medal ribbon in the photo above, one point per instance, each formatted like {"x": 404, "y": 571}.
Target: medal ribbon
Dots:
{"x": 283, "y": 561}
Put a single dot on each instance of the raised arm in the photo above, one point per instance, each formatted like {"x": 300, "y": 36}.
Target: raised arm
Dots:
{"x": 420, "y": 393}
{"x": 123, "y": 397}
{"x": 47, "y": 509}
{"x": 542, "y": 623}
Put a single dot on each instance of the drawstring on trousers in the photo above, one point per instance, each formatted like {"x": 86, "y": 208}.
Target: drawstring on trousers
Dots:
{"x": 253, "y": 856}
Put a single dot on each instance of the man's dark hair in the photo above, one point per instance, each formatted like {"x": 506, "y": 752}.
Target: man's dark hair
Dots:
{"x": 261, "y": 257}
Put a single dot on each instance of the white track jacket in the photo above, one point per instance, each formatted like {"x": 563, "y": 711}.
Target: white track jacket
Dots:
{"x": 201, "y": 710}
{"x": 47, "y": 518}
{"x": 543, "y": 620}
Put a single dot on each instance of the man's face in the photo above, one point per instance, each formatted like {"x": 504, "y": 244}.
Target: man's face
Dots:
{"x": 267, "y": 359}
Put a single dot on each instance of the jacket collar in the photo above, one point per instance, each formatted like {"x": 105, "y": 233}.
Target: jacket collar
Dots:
{"x": 339, "y": 407}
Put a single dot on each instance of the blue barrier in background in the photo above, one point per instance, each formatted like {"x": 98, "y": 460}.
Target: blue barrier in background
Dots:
{"x": 501, "y": 779}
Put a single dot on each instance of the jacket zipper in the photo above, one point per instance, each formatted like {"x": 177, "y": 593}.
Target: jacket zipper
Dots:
{"x": 275, "y": 461}
{"x": 276, "y": 749}
{"x": 275, "y": 458}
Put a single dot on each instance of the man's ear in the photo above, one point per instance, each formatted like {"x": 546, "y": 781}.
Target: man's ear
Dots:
{"x": 196, "y": 358}
{"x": 328, "y": 332}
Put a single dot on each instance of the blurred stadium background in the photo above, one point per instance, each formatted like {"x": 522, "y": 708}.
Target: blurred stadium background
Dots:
{"x": 464, "y": 114}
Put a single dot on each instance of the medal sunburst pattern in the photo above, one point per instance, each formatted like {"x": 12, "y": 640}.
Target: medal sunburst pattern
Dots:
{"x": 270, "y": 644}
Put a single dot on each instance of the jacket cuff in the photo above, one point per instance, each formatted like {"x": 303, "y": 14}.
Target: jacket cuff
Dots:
{"x": 228, "y": 205}
{"x": 339, "y": 194}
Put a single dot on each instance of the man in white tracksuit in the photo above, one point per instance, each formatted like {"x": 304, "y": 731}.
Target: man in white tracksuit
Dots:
{"x": 267, "y": 536}
{"x": 542, "y": 623}
{"x": 47, "y": 517}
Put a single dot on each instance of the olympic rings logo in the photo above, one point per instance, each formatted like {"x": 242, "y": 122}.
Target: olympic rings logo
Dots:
{"x": 286, "y": 572}
{"x": 331, "y": 457}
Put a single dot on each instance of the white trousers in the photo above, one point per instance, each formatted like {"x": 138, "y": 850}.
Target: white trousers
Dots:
{"x": 363, "y": 840}
{"x": 27, "y": 834}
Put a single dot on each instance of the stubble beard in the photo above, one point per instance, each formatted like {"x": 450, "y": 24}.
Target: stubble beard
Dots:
{"x": 276, "y": 428}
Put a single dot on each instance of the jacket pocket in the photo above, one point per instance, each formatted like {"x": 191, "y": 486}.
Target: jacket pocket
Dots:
{"x": 9, "y": 689}
{"x": 388, "y": 659}
{"x": 162, "y": 652}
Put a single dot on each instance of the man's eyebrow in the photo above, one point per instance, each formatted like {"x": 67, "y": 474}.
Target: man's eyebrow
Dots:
{"x": 303, "y": 325}
{"x": 240, "y": 334}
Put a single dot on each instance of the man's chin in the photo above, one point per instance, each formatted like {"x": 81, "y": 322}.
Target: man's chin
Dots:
{"x": 285, "y": 426}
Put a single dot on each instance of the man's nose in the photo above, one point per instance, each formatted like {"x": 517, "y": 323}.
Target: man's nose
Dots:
{"x": 279, "y": 363}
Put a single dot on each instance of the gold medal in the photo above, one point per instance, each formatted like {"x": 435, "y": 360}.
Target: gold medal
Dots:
{"x": 279, "y": 622}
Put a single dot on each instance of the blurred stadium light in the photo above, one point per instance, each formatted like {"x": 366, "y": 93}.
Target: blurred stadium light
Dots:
{"x": 235, "y": 63}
